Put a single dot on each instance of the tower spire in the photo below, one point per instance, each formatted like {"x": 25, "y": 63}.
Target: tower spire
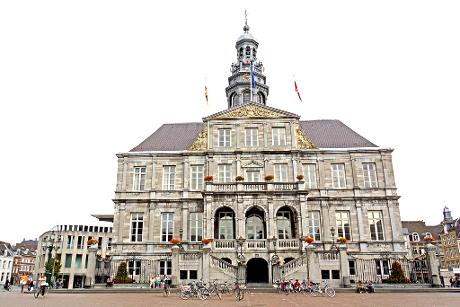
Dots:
{"x": 247, "y": 82}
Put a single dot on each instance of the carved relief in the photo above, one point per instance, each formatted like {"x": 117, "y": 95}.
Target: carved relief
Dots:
{"x": 303, "y": 142}
{"x": 201, "y": 141}
{"x": 249, "y": 110}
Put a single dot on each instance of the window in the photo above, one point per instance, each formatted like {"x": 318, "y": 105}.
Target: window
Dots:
{"x": 193, "y": 274}
{"x": 314, "y": 225}
{"x": 69, "y": 242}
{"x": 342, "y": 219}
{"x": 169, "y": 175}
{"x": 382, "y": 267}
{"x": 226, "y": 225}
{"x": 80, "y": 242}
{"x": 223, "y": 172}
{"x": 375, "y": 225}
{"x": 139, "y": 178}
{"x": 196, "y": 177}
{"x": 310, "y": 175}
{"x": 278, "y": 136}
{"x": 335, "y": 274}
{"x": 109, "y": 243}
{"x": 86, "y": 261}
{"x": 253, "y": 175}
{"x": 338, "y": 176}
{"x": 352, "y": 266}
{"x": 370, "y": 176}
{"x": 246, "y": 96}
{"x": 99, "y": 243}
{"x": 183, "y": 274}
{"x": 68, "y": 260}
{"x": 281, "y": 172}
{"x": 167, "y": 227}
{"x": 325, "y": 274}
{"x": 134, "y": 267}
{"x": 415, "y": 237}
{"x": 78, "y": 261}
{"x": 283, "y": 223}
{"x": 224, "y": 137}
{"x": 165, "y": 267}
{"x": 137, "y": 226}
{"x": 254, "y": 227}
{"x": 196, "y": 227}
{"x": 252, "y": 136}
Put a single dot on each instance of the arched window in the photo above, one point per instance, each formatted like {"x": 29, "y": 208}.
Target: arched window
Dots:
{"x": 248, "y": 52}
{"x": 415, "y": 237}
{"x": 261, "y": 98}
{"x": 241, "y": 52}
{"x": 225, "y": 224}
{"x": 283, "y": 223}
{"x": 235, "y": 99}
{"x": 254, "y": 52}
{"x": 246, "y": 96}
{"x": 254, "y": 227}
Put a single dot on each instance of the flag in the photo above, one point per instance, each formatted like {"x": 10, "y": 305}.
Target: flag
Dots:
{"x": 253, "y": 78}
{"x": 206, "y": 93}
{"x": 297, "y": 90}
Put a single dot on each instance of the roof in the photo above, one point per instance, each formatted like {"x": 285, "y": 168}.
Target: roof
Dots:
{"x": 103, "y": 217}
{"x": 324, "y": 133}
{"x": 421, "y": 228}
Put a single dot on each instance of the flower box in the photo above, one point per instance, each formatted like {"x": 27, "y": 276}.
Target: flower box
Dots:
{"x": 206, "y": 241}
{"x": 269, "y": 178}
{"x": 208, "y": 178}
{"x": 92, "y": 242}
{"x": 300, "y": 177}
{"x": 239, "y": 178}
{"x": 309, "y": 239}
{"x": 342, "y": 240}
{"x": 429, "y": 238}
{"x": 174, "y": 241}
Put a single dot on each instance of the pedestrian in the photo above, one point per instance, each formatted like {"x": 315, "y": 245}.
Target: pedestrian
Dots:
{"x": 360, "y": 287}
{"x": 152, "y": 281}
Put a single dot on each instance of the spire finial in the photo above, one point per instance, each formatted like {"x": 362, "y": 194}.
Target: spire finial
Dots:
{"x": 246, "y": 27}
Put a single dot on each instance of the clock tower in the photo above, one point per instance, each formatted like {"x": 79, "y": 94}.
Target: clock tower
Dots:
{"x": 241, "y": 88}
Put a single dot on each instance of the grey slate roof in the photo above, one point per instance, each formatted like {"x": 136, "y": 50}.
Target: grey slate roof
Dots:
{"x": 323, "y": 133}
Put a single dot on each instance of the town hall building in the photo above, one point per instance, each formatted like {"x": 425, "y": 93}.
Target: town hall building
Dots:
{"x": 234, "y": 197}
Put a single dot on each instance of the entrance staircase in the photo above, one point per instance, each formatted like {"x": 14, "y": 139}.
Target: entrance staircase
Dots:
{"x": 222, "y": 270}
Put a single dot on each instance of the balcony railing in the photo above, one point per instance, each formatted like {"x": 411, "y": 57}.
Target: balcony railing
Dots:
{"x": 256, "y": 244}
{"x": 254, "y": 186}
{"x": 281, "y": 244}
{"x": 224, "y": 244}
{"x": 288, "y": 244}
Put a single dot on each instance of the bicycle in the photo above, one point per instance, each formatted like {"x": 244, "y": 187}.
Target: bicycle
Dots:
{"x": 317, "y": 289}
{"x": 192, "y": 290}
{"x": 238, "y": 292}
{"x": 224, "y": 288}
{"x": 213, "y": 290}
{"x": 166, "y": 288}
{"x": 42, "y": 289}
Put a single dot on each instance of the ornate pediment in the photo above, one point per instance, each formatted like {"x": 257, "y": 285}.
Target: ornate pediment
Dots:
{"x": 201, "y": 141}
{"x": 252, "y": 163}
{"x": 303, "y": 142}
{"x": 252, "y": 110}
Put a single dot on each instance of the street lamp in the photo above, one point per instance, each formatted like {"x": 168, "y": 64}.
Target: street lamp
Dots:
{"x": 334, "y": 248}
{"x": 51, "y": 242}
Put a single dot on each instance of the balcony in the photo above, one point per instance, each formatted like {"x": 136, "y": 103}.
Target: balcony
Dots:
{"x": 254, "y": 186}
{"x": 231, "y": 245}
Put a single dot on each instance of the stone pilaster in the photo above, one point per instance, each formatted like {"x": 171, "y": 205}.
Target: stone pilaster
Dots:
{"x": 175, "y": 265}
{"x": 344, "y": 267}
{"x": 206, "y": 263}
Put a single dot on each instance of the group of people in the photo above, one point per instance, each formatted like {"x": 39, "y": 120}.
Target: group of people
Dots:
{"x": 159, "y": 281}
{"x": 293, "y": 285}
{"x": 369, "y": 287}
{"x": 454, "y": 281}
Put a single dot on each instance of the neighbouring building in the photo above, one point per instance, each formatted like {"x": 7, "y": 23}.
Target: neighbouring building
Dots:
{"x": 70, "y": 247}
{"x": 257, "y": 180}
{"x": 23, "y": 264}
{"x": 450, "y": 244}
{"x": 6, "y": 262}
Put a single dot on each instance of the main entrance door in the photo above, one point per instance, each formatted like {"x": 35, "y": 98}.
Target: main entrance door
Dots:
{"x": 257, "y": 270}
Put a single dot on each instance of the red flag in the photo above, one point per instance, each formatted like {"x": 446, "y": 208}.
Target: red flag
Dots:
{"x": 297, "y": 90}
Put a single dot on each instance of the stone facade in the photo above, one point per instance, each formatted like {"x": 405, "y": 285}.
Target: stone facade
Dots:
{"x": 6, "y": 262}
{"x": 271, "y": 181}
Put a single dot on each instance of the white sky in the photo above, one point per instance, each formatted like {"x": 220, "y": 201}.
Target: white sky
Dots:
{"x": 83, "y": 80}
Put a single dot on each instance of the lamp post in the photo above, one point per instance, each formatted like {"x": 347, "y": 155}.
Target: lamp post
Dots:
{"x": 334, "y": 248}
{"x": 51, "y": 242}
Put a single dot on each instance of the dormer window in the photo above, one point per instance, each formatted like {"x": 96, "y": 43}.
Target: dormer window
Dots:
{"x": 224, "y": 137}
{"x": 248, "y": 52}
{"x": 415, "y": 237}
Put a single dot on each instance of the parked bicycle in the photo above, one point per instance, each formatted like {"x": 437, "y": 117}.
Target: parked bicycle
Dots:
{"x": 325, "y": 289}
{"x": 41, "y": 290}
{"x": 192, "y": 290}
{"x": 212, "y": 290}
{"x": 238, "y": 291}
{"x": 225, "y": 289}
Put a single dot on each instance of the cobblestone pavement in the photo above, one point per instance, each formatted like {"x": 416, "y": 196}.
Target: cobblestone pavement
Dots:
{"x": 251, "y": 299}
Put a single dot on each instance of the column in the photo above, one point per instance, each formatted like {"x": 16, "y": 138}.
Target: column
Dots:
{"x": 303, "y": 215}
{"x": 206, "y": 263}
{"x": 359, "y": 214}
{"x": 344, "y": 267}
{"x": 433, "y": 266}
{"x": 326, "y": 221}
{"x": 175, "y": 265}
{"x": 91, "y": 268}
{"x": 185, "y": 215}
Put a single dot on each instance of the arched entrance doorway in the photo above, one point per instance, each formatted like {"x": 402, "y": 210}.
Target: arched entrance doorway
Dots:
{"x": 257, "y": 270}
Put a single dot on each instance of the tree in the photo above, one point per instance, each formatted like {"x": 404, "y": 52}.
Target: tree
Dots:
{"x": 397, "y": 273}
{"x": 53, "y": 266}
{"x": 122, "y": 274}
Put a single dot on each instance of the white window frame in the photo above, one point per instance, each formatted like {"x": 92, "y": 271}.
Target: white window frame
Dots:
{"x": 139, "y": 178}
{"x": 279, "y": 136}
{"x": 342, "y": 218}
{"x": 310, "y": 175}
{"x": 251, "y": 137}
{"x": 224, "y": 172}
{"x": 281, "y": 172}
{"x": 339, "y": 178}
{"x": 224, "y": 137}
{"x": 370, "y": 175}
{"x": 415, "y": 237}
{"x": 373, "y": 217}
{"x": 252, "y": 175}
{"x": 136, "y": 224}
{"x": 167, "y": 218}
{"x": 314, "y": 224}
{"x": 196, "y": 177}
{"x": 169, "y": 177}
{"x": 196, "y": 226}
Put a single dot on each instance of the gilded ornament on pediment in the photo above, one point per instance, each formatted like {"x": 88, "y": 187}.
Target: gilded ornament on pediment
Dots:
{"x": 303, "y": 142}
{"x": 201, "y": 141}
{"x": 249, "y": 111}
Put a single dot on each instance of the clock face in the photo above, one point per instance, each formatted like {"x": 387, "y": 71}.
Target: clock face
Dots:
{"x": 246, "y": 77}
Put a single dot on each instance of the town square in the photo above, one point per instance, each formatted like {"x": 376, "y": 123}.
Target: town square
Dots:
{"x": 231, "y": 154}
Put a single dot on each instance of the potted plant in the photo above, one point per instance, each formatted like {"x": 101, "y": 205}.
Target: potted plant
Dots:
{"x": 269, "y": 178}
{"x": 300, "y": 177}
{"x": 92, "y": 242}
{"x": 239, "y": 178}
{"x": 206, "y": 241}
{"x": 309, "y": 239}
{"x": 342, "y": 240}
{"x": 429, "y": 238}
{"x": 208, "y": 178}
{"x": 174, "y": 241}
